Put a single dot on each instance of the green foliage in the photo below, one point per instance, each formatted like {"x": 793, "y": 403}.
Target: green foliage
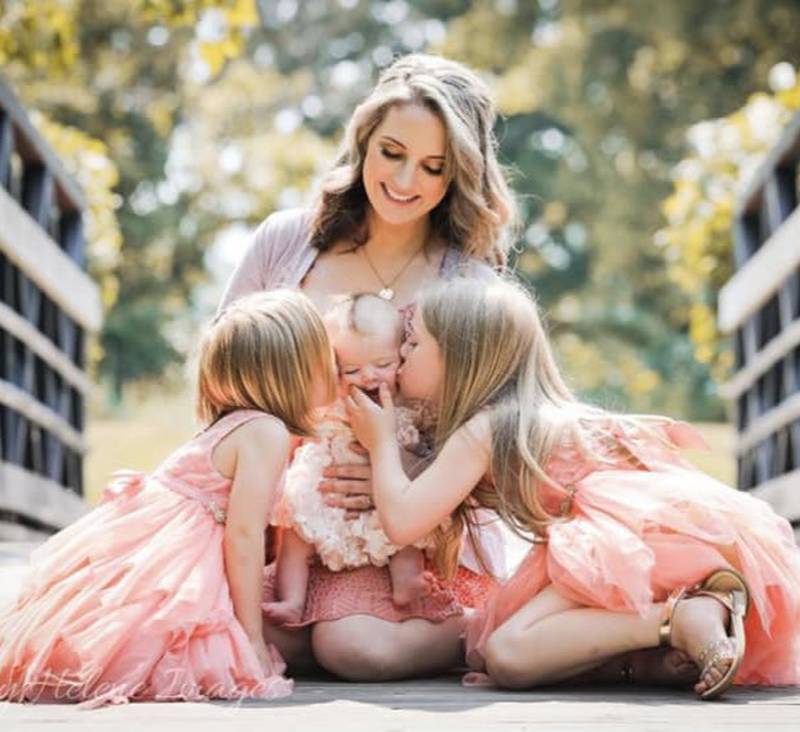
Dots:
{"x": 597, "y": 107}
{"x": 699, "y": 212}
{"x": 114, "y": 92}
{"x": 217, "y": 111}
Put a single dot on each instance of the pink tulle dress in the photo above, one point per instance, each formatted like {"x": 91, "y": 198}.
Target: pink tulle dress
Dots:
{"x": 131, "y": 602}
{"x": 641, "y": 523}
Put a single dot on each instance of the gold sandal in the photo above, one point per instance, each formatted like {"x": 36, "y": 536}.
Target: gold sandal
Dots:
{"x": 728, "y": 587}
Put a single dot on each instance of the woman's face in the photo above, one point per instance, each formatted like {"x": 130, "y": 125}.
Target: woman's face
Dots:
{"x": 422, "y": 372}
{"x": 404, "y": 168}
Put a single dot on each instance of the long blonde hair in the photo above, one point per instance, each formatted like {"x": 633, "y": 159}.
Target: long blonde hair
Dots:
{"x": 264, "y": 351}
{"x": 478, "y": 213}
{"x": 496, "y": 354}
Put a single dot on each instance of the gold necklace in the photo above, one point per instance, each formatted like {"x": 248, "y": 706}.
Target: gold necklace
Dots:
{"x": 386, "y": 291}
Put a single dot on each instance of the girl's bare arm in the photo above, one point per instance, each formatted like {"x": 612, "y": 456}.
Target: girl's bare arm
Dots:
{"x": 411, "y": 509}
{"x": 262, "y": 447}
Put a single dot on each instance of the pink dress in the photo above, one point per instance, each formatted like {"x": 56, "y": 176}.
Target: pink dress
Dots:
{"x": 643, "y": 524}
{"x": 131, "y": 602}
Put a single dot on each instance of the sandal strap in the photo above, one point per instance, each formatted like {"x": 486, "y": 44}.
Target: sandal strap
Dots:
{"x": 665, "y": 627}
{"x": 716, "y": 651}
{"x": 724, "y": 598}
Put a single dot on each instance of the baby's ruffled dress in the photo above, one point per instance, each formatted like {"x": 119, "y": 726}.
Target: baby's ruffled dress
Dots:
{"x": 340, "y": 542}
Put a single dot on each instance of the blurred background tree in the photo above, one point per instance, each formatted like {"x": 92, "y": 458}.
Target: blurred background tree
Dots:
{"x": 217, "y": 112}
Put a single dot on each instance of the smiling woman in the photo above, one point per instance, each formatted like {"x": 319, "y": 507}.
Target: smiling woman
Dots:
{"x": 416, "y": 195}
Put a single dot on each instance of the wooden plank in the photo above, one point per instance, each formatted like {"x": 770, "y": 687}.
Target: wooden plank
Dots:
{"x": 17, "y": 532}
{"x": 761, "y": 276}
{"x": 6, "y": 144}
{"x": 33, "y": 147}
{"x": 27, "y": 406}
{"x": 769, "y": 423}
{"x": 38, "y": 497}
{"x": 41, "y": 259}
{"x": 776, "y": 350}
{"x": 783, "y": 494}
{"x": 43, "y": 347}
{"x": 787, "y": 148}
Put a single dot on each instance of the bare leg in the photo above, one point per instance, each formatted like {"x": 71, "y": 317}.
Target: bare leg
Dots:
{"x": 294, "y": 645}
{"x": 410, "y": 581}
{"x": 544, "y": 643}
{"x": 365, "y": 648}
{"x": 292, "y": 580}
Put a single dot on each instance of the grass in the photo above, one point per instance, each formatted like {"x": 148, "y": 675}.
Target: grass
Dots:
{"x": 151, "y": 426}
{"x": 155, "y": 423}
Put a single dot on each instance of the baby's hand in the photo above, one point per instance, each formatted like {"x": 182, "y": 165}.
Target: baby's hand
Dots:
{"x": 372, "y": 423}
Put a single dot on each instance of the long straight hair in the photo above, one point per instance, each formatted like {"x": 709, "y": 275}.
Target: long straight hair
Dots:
{"x": 497, "y": 355}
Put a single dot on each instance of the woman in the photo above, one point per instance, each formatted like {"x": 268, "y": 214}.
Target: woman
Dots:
{"x": 417, "y": 194}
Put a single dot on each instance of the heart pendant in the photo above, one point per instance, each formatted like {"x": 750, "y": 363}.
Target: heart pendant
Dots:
{"x": 387, "y": 293}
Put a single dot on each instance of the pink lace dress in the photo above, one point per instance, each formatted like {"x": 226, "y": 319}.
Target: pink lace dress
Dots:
{"x": 131, "y": 602}
{"x": 640, "y": 524}
{"x": 340, "y": 543}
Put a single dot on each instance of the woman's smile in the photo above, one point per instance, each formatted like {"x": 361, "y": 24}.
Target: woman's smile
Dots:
{"x": 396, "y": 198}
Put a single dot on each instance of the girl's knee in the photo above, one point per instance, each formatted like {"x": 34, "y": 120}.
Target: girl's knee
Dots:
{"x": 505, "y": 663}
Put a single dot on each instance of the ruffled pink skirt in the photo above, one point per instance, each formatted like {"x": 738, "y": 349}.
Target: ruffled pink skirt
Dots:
{"x": 131, "y": 602}
{"x": 636, "y": 535}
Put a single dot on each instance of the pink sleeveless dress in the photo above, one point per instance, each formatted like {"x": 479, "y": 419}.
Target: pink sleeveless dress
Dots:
{"x": 640, "y": 524}
{"x": 131, "y": 602}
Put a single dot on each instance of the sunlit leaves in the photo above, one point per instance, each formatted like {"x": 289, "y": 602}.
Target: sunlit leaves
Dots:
{"x": 697, "y": 239}
{"x": 87, "y": 161}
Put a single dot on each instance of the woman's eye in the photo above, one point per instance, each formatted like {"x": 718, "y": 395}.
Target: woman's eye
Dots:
{"x": 433, "y": 171}
{"x": 386, "y": 365}
{"x": 389, "y": 154}
{"x": 350, "y": 372}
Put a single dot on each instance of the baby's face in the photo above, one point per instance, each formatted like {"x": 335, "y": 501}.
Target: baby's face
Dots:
{"x": 367, "y": 361}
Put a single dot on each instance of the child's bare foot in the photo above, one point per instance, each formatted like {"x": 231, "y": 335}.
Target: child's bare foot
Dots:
{"x": 283, "y": 613}
{"x": 698, "y": 625}
{"x": 411, "y": 588}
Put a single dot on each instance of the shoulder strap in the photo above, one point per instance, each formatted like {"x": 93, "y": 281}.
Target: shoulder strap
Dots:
{"x": 213, "y": 434}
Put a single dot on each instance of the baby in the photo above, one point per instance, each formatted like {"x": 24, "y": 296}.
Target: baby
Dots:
{"x": 366, "y": 332}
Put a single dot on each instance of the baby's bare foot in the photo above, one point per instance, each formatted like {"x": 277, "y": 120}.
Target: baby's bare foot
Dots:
{"x": 283, "y": 613}
{"x": 412, "y": 588}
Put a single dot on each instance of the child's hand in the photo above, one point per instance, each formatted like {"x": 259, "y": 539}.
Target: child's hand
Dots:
{"x": 371, "y": 423}
{"x": 266, "y": 658}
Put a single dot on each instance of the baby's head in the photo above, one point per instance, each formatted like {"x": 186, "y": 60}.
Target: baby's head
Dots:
{"x": 267, "y": 351}
{"x": 366, "y": 332}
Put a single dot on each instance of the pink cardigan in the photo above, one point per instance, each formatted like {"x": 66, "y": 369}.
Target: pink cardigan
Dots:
{"x": 280, "y": 256}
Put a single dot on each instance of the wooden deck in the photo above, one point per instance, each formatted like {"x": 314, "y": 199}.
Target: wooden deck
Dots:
{"x": 439, "y": 705}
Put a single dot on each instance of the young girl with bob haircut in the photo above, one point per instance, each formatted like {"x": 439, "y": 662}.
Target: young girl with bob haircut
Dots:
{"x": 632, "y": 548}
{"x": 156, "y": 593}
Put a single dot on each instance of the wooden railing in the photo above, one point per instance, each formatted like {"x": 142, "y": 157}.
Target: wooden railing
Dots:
{"x": 47, "y": 305}
{"x": 760, "y": 308}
